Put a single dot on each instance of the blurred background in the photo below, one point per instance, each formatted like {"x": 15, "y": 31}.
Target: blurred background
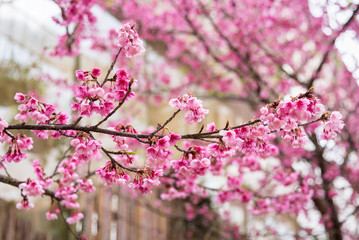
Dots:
{"x": 28, "y": 36}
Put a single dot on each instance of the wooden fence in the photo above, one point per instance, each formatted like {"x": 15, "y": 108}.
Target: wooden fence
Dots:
{"x": 113, "y": 214}
{"x": 109, "y": 213}
{"x": 13, "y": 227}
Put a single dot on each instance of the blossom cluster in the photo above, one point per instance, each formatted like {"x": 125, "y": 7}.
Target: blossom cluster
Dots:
{"x": 17, "y": 145}
{"x": 192, "y": 107}
{"x": 128, "y": 40}
{"x": 94, "y": 98}
{"x": 158, "y": 155}
{"x": 333, "y": 125}
{"x": 91, "y": 97}
{"x": 78, "y": 13}
{"x": 112, "y": 174}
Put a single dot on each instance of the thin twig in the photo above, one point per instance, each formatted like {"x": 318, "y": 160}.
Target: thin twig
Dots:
{"x": 136, "y": 170}
{"x": 118, "y": 106}
{"x": 3, "y": 166}
{"x": 160, "y": 127}
{"x": 111, "y": 67}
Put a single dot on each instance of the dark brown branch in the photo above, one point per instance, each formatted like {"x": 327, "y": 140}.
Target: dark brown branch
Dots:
{"x": 15, "y": 183}
{"x": 326, "y": 205}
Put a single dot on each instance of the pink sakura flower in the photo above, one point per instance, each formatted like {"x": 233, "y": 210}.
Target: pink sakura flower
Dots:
{"x": 91, "y": 100}
{"x": 3, "y": 125}
{"x": 31, "y": 188}
{"x": 51, "y": 215}
{"x": 86, "y": 185}
{"x": 14, "y": 153}
{"x": 81, "y": 75}
{"x": 95, "y": 72}
{"x": 286, "y": 116}
{"x": 230, "y": 139}
{"x": 262, "y": 206}
{"x": 24, "y": 205}
{"x": 158, "y": 157}
{"x": 193, "y": 108}
{"x": 143, "y": 182}
{"x": 190, "y": 211}
{"x": 67, "y": 169}
{"x": 74, "y": 218}
{"x": 285, "y": 178}
{"x": 112, "y": 174}
{"x": 173, "y": 194}
{"x": 332, "y": 126}
{"x": 32, "y": 108}
{"x": 122, "y": 84}
{"x": 173, "y": 138}
{"x": 68, "y": 195}
{"x": 211, "y": 127}
{"x": 200, "y": 166}
{"x": 234, "y": 182}
{"x": 69, "y": 201}
{"x": 19, "y": 97}
{"x": 85, "y": 147}
{"x": 129, "y": 41}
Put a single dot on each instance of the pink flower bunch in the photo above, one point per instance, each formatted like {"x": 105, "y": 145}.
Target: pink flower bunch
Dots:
{"x": 91, "y": 99}
{"x": 234, "y": 194}
{"x": 112, "y": 174}
{"x": 68, "y": 195}
{"x": 158, "y": 156}
{"x": 193, "y": 108}
{"x": 146, "y": 180}
{"x": 192, "y": 162}
{"x": 25, "y": 204}
{"x": 64, "y": 48}
{"x": 39, "y": 171}
{"x": 18, "y": 144}
{"x": 234, "y": 181}
{"x": 3, "y": 125}
{"x": 173, "y": 194}
{"x": 31, "y": 188}
{"x": 256, "y": 139}
{"x": 125, "y": 143}
{"x": 32, "y": 108}
{"x": 51, "y": 215}
{"x": 86, "y": 185}
{"x": 83, "y": 76}
{"x": 250, "y": 161}
{"x": 122, "y": 84}
{"x": 285, "y": 178}
{"x": 286, "y": 116}
{"x": 85, "y": 147}
{"x": 74, "y": 218}
{"x": 129, "y": 41}
{"x": 261, "y": 206}
{"x": 230, "y": 139}
{"x": 75, "y": 11}
{"x": 3, "y": 136}
{"x": 67, "y": 168}
{"x": 332, "y": 126}
{"x": 126, "y": 156}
